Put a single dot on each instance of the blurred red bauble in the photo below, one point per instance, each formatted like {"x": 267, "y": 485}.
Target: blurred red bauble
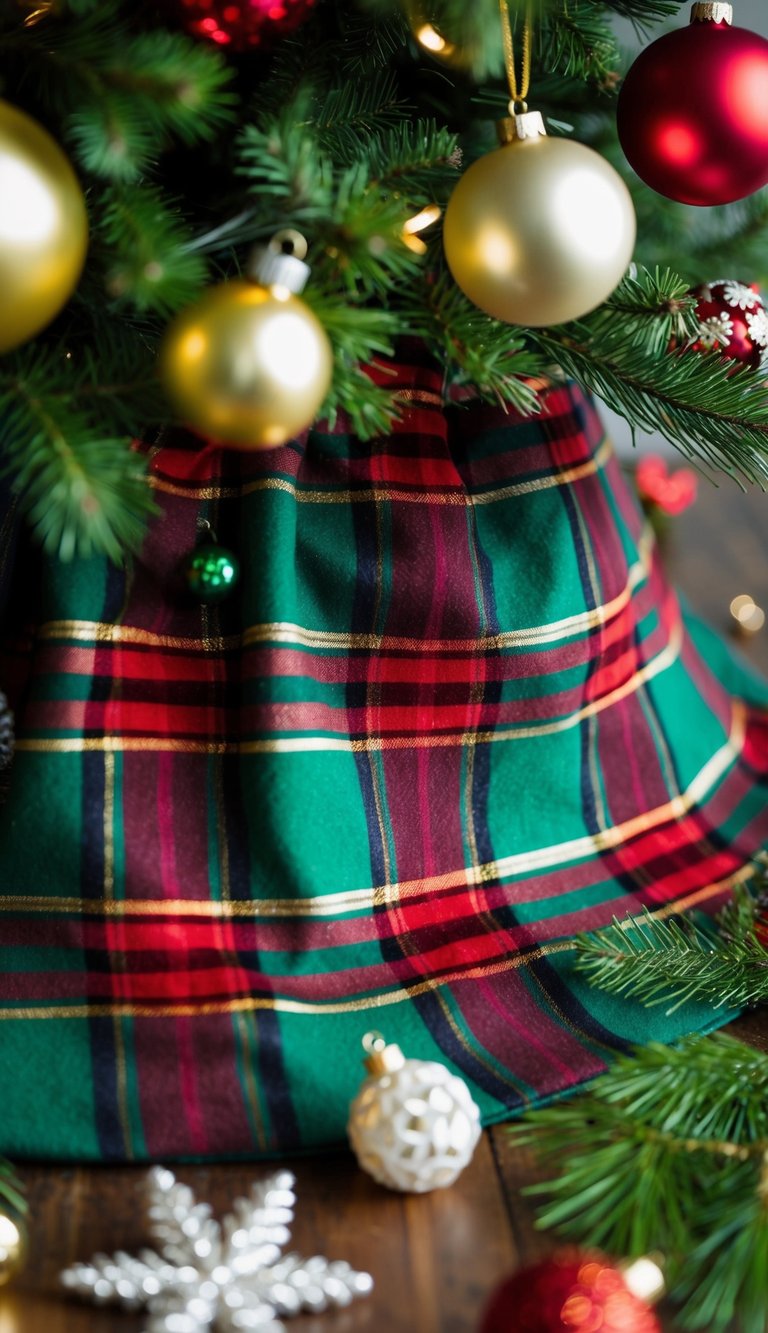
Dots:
{"x": 733, "y": 321}
{"x": 571, "y": 1292}
{"x": 239, "y": 25}
{"x": 658, "y": 488}
{"x": 693, "y": 111}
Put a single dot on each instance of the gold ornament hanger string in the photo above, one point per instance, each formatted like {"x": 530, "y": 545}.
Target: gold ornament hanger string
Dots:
{"x": 517, "y": 91}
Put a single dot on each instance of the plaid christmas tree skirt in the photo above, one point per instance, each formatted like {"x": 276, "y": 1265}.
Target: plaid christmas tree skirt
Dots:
{"x": 451, "y": 716}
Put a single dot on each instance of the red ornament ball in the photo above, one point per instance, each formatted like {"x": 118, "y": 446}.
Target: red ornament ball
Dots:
{"x": 693, "y": 113}
{"x": 240, "y": 25}
{"x": 733, "y": 320}
{"x": 660, "y": 489}
{"x": 571, "y": 1292}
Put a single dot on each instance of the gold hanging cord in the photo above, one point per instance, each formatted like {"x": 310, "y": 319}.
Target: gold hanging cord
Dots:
{"x": 517, "y": 91}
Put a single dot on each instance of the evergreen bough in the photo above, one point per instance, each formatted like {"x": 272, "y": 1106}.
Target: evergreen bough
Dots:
{"x": 685, "y": 959}
{"x": 668, "y": 1153}
{"x": 345, "y": 131}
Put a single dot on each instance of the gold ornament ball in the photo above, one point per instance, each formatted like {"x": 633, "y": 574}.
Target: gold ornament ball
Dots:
{"x": 539, "y": 231}
{"x": 247, "y": 365}
{"x": 13, "y": 1248}
{"x": 43, "y": 228}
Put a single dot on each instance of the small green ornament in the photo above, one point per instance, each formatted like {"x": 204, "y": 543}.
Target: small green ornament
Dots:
{"x": 211, "y": 572}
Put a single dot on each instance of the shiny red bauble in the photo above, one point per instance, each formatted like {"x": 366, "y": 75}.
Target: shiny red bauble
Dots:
{"x": 733, "y": 321}
{"x": 693, "y": 114}
{"x": 570, "y": 1292}
{"x": 239, "y": 25}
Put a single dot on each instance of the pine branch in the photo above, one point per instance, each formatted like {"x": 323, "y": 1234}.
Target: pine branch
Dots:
{"x": 348, "y": 114}
{"x": 373, "y": 35}
{"x": 83, "y": 490}
{"x": 716, "y": 417}
{"x": 420, "y": 160}
{"x": 283, "y": 165}
{"x": 145, "y": 251}
{"x": 667, "y": 1152}
{"x": 576, "y": 40}
{"x": 358, "y": 336}
{"x": 122, "y": 95}
{"x": 477, "y": 350}
{"x": 643, "y": 13}
{"x": 682, "y": 960}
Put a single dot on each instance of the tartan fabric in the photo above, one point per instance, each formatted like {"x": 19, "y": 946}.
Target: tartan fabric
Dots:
{"x": 452, "y": 716}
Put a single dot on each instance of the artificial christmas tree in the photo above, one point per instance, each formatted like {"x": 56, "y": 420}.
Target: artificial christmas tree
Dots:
{"x": 450, "y": 714}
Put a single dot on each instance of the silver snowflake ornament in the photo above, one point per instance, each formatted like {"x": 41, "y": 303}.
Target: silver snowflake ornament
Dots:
{"x": 227, "y": 1276}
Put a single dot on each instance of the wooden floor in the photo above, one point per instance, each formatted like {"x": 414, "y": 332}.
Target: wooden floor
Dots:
{"x": 436, "y": 1257}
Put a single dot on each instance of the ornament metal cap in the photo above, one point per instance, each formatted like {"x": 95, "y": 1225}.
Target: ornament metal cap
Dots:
{"x": 281, "y": 263}
{"x": 520, "y": 125}
{"x": 712, "y": 11}
{"x": 381, "y": 1058}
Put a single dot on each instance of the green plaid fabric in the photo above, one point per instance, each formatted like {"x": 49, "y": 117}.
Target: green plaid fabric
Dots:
{"x": 451, "y": 716}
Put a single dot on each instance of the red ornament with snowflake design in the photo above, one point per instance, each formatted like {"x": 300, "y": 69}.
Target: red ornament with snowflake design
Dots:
{"x": 733, "y": 320}
{"x": 571, "y": 1292}
{"x": 239, "y": 25}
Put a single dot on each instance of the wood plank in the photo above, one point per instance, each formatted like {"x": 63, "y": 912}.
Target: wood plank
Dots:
{"x": 718, "y": 549}
{"x": 434, "y": 1257}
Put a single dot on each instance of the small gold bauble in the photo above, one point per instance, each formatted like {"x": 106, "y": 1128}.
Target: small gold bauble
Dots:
{"x": 43, "y": 228}
{"x": 247, "y": 365}
{"x": 539, "y": 231}
{"x": 13, "y": 1248}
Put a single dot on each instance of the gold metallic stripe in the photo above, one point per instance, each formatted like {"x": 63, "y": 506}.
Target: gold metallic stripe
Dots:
{"x": 331, "y": 904}
{"x": 376, "y": 494}
{"x": 400, "y": 995}
{"x": 284, "y": 631}
{"x": 362, "y": 900}
{"x": 128, "y": 745}
{"x": 102, "y": 632}
{"x": 342, "y": 744}
{"x": 194, "y": 492}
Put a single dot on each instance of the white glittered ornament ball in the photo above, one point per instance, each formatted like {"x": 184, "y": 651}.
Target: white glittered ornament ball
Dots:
{"x": 413, "y": 1125}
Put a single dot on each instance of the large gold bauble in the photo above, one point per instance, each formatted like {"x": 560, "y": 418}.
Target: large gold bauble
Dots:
{"x": 247, "y": 365}
{"x": 539, "y": 231}
{"x": 13, "y": 1247}
{"x": 43, "y": 228}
